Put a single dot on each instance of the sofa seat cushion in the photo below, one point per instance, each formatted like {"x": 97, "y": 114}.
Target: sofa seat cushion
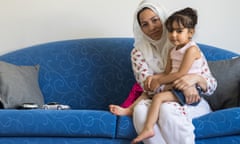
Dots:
{"x": 61, "y": 140}
{"x": 233, "y": 139}
{"x": 125, "y": 128}
{"x": 217, "y": 124}
{"x": 63, "y": 123}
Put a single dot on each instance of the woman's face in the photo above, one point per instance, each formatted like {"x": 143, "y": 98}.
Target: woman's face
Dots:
{"x": 150, "y": 24}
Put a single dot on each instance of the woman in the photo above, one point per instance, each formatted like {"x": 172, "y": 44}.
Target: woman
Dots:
{"x": 148, "y": 61}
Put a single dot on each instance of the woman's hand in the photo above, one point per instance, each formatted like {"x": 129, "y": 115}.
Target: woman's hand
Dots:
{"x": 187, "y": 84}
{"x": 191, "y": 95}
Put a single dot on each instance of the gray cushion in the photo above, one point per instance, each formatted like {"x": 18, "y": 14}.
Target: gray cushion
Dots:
{"x": 18, "y": 85}
{"x": 227, "y": 74}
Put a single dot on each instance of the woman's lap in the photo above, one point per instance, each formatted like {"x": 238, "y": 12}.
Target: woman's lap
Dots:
{"x": 173, "y": 119}
{"x": 201, "y": 109}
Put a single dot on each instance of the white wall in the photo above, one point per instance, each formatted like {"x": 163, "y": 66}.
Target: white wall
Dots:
{"x": 219, "y": 21}
{"x": 28, "y": 22}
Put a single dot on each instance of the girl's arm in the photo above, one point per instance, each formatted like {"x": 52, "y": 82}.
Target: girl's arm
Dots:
{"x": 206, "y": 81}
{"x": 190, "y": 80}
{"x": 168, "y": 67}
{"x": 154, "y": 83}
{"x": 190, "y": 56}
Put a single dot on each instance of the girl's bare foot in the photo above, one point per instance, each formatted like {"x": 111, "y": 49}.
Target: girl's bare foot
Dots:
{"x": 146, "y": 133}
{"x": 117, "y": 110}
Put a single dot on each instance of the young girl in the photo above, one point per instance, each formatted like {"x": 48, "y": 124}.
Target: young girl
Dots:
{"x": 184, "y": 58}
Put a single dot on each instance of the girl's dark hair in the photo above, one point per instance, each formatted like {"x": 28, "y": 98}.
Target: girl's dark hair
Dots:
{"x": 186, "y": 17}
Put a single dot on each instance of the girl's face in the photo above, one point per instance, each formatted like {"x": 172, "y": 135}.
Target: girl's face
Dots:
{"x": 180, "y": 36}
{"x": 151, "y": 24}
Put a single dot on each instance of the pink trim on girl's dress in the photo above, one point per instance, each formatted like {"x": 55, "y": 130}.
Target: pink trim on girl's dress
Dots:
{"x": 135, "y": 92}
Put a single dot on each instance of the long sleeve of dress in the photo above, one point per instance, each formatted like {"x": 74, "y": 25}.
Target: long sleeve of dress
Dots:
{"x": 211, "y": 81}
{"x": 140, "y": 68}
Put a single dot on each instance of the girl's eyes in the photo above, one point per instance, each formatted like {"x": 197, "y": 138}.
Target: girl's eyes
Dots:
{"x": 179, "y": 30}
{"x": 175, "y": 30}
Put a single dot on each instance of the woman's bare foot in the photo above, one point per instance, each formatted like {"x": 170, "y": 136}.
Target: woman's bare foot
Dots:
{"x": 146, "y": 133}
{"x": 117, "y": 110}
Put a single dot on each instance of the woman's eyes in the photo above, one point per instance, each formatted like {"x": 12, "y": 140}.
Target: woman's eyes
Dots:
{"x": 154, "y": 20}
{"x": 144, "y": 24}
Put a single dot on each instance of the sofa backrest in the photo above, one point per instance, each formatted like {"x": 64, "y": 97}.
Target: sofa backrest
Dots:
{"x": 87, "y": 73}
{"x": 213, "y": 53}
{"x": 84, "y": 73}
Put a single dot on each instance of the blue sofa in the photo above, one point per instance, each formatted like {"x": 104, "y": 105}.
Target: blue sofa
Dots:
{"x": 88, "y": 75}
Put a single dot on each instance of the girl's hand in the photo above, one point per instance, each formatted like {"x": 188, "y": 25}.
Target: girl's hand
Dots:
{"x": 154, "y": 84}
{"x": 147, "y": 83}
{"x": 186, "y": 81}
{"x": 151, "y": 83}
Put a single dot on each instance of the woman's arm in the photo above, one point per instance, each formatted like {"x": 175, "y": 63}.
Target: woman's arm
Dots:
{"x": 143, "y": 74}
{"x": 140, "y": 68}
{"x": 211, "y": 82}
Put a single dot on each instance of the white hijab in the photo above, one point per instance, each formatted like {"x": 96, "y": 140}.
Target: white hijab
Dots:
{"x": 154, "y": 52}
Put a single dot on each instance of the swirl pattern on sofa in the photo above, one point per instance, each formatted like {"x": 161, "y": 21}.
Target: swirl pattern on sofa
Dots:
{"x": 88, "y": 75}
{"x": 72, "y": 71}
{"x": 45, "y": 123}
